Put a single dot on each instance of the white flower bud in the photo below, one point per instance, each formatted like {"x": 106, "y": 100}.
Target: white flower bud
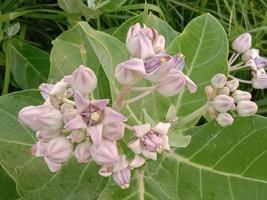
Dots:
{"x": 232, "y": 85}
{"x": 225, "y": 91}
{"x": 246, "y": 108}
{"x": 218, "y": 80}
{"x": 251, "y": 63}
{"x": 82, "y": 152}
{"x": 242, "y": 43}
{"x": 240, "y": 95}
{"x": 223, "y": 103}
{"x": 259, "y": 81}
{"x": 224, "y": 119}
{"x": 250, "y": 54}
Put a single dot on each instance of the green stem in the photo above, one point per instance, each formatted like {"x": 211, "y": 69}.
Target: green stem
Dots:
{"x": 7, "y": 75}
{"x": 191, "y": 117}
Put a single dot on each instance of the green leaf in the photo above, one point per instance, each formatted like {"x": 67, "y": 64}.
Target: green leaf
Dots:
{"x": 77, "y": 7}
{"x": 8, "y": 187}
{"x": 219, "y": 163}
{"x": 33, "y": 179}
{"x": 149, "y": 20}
{"x": 84, "y": 45}
{"x": 205, "y": 46}
{"x": 29, "y": 65}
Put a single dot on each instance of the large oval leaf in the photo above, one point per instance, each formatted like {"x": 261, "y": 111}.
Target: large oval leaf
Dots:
{"x": 205, "y": 46}
{"x": 29, "y": 65}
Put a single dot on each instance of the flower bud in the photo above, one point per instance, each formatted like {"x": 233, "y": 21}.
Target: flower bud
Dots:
{"x": 260, "y": 81}
{"x": 59, "y": 149}
{"x": 250, "y": 54}
{"x": 82, "y": 152}
{"x": 240, "y": 95}
{"x": 106, "y": 153}
{"x": 77, "y": 135}
{"x": 130, "y": 71}
{"x": 47, "y": 135}
{"x": 224, "y": 119}
{"x": 223, "y": 103}
{"x": 218, "y": 80}
{"x": 251, "y": 63}
{"x": 52, "y": 165}
{"x": 224, "y": 90}
{"x": 232, "y": 85}
{"x": 84, "y": 80}
{"x": 39, "y": 149}
{"x": 122, "y": 178}
{"x": 210, "y": 92}
{"x": 113, "y": 131}
{"x": 45, "y": 89}
{"x": 172, "y": 83}
{"x": 242, "y": 43}
{"x": 41, "y": 117}
{"x": 246, "y": 108}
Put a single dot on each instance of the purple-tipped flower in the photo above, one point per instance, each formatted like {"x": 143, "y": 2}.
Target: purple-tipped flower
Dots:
{"x": 130, "y": 71}
{"x": 82, "y": 152}
{"x": 242, "y": 43}
{"x": 93, "y": 116}
{"x": 260, "y": 62}
{"x": 150, "y": 140}
{"x": 84, "y": 80}
{"x": 223, "y": 103}
{"x": 144, "y": 42}
{"x": 224, "y": 119}
{"x": 174, "y": 82}
{"x": 246, "y": 108}
{"x": 58, "y": 149}
{"x": 106, "y": 153}
{"x": 43, "y": 117}
{"x": 250, "y": 54}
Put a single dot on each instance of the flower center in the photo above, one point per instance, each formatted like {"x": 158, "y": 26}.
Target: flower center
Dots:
{"x": 152, "y": 142}
{"x": 92, "y": 115}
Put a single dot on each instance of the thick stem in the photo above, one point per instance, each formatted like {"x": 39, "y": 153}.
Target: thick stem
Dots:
{"x": 141, "y": 96}
{"x": 142, "y": 89}
{"x": 240, "y": 80}
{"x": 128, "y": 127}
{"x": 119, "y": 100}
{"x": 191, "y": 117}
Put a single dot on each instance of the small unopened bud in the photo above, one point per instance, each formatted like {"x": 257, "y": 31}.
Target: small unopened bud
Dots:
{"x": 223, "y": 103}
{"x": 47, "y": 135}
{"x": 250, "y": 54}
{"x": 39, "y": 149}
{"x": 260, "y": 81}
{"x": 122, "y": 178}
{"x": 224, "y": 119}
{"x": 218, "y": 81}
{"x": 240, "y": 95}
{"x": 82, "y": 152}
{"x": 224, "y": 90}
{"x": 242, "y": 43}
{"x": 246, "y": 108}
{"x": 210, "y": 92}
{"x": 172, "y": 83}
{"x": 59, "y": 149}
{"x": 232, "y": 85}
{"x": 77, "y": 135}
{"x": 106, "y": 153}
{"x": 84, "y": 80}
{"x": 113, "y": 131}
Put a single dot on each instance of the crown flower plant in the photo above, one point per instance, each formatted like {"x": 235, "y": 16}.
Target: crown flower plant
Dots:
{"x": 144, "y": 113}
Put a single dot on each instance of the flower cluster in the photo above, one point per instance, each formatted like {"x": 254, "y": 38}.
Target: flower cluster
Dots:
{"x": 250, "y": 59}
{"x": 149, "y": 61}
{"x": 224, "y": 97}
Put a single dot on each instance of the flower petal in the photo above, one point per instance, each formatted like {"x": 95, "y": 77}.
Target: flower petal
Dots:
{"x": 141, "y": 130}
{"x": 138, "y": 161}
{"x": 146, "y": 47}
{"x": 162, "y": 128}
{"x": 111, "y": 115}
{"x": 150, "y": 155}
{"x": 135, "y": 146}
{"x": 53, "y": 166}
{"x": 105, "y": 171}
{"x": 166, "y": 145}
{"x": 192, "y": 87}
{"x": 100, "y": 103}
{"x": 76, "y": 123}
{"x": 96, "y": 134}
{"x": 80, "y": 102}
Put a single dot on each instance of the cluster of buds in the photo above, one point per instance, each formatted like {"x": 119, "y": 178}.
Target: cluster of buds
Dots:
{"x": 149, "y": 61}
{"x": 71, "y": 123}
{"x": 224, "y": 98}
{"x": 250, "y": 59}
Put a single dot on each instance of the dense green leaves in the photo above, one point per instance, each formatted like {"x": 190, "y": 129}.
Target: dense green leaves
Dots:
{"x": 205, "y": 46}
{"x": 29, "y": 65}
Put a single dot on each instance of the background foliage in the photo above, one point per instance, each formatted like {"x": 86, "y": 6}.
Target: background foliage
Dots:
{"x": 30, "y": 31}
